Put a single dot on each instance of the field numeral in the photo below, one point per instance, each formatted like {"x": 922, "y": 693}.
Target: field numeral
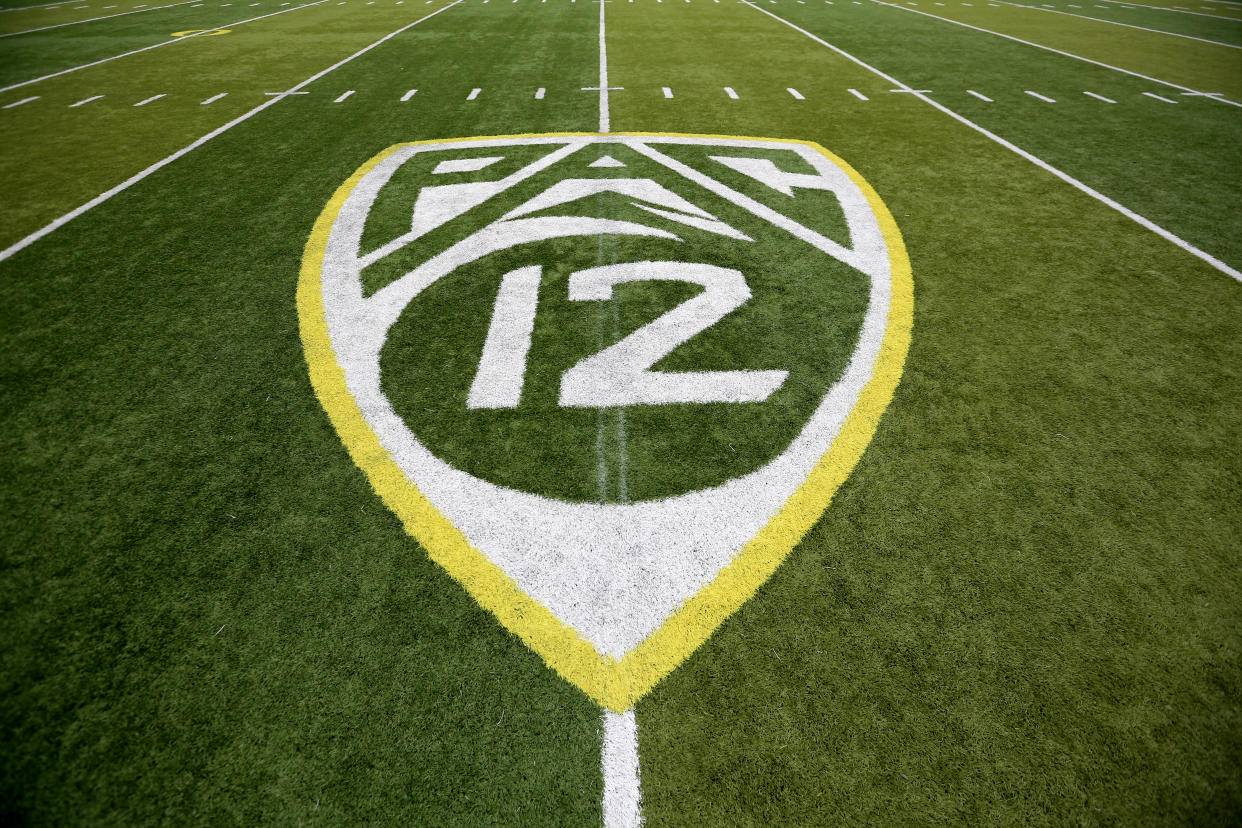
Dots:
{"x": 620, "y": 374}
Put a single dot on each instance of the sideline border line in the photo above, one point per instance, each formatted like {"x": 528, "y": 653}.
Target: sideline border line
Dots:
{"x": 56, "y": 224}
{"x": 1044, "y": 165}
{"x": 93, "y": 19}
{"x": 1050, "y": 49}
{"x": 156, "y": 46}
{"x": 1119, "y": 23}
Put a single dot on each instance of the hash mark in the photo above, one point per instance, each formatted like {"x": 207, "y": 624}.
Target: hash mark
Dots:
{"x": 1099, "y": 97}
{"x": 984, "y": 98}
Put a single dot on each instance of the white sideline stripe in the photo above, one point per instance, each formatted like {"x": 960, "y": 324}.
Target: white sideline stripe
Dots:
{"x": 605, "y": 117}
{"x": 1050, "y": 49}
{"x": 92, "y": 19}
{"x": 1182, "y": 11}
{"x": 540, "y": 92}
{"x": 152, "y": 98}
{"x": 85, "y": 101}
{"x": 19, "y": 103}
{"x": 1159, "y": 98}
{"x": 164, "y": 162}
{"x": 798, "y": 96}
{"x": 729, "y": 91}
{"x": 1043, "y": 165}
{"x": 1099, "y": 97}
{"x": 619, "y": 763}
{"x": 1043, "y": 98}
{"x": 668, "y": 92}
{"x": 213, "y": 98}
{"x": 859, "y": 95}
{"x": 1127, "y": 25}
{"x": 409, "y": 94}
{"x": 980, "y": 97}
{"x": 344, "y": 96}
{"x": 154, "y": 46}
{"x": 474, "y": 93}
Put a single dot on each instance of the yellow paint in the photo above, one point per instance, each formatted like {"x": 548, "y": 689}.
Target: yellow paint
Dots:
{"x": 616, "y": 685}
{"x": 202, "y": 32}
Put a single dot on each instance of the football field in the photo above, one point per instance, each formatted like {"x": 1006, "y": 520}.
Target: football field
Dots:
{"x": 666, "y": 412}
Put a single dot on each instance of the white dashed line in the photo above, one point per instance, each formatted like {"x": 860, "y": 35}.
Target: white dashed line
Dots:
{"x": 409, "y": 94}
{"x": 1159, "y": 98}
{"x": 798, "y": 96}
{"x": 859, "y": 95}
{"x": 1099, "y": 97}
{"x": 22, "y": 101}
{"x": 344, "y": 96}
{"x": 1041, "y": 97}
{"x": 729, "y": 91}
{"x": 474, "y": 93}
{"x": 977, "y": 95}
{"x": 85, "y": 101}
{"x": 212, "y": 99}
{"x": 152, "y": 98}
{"x": 668, "y": 92}
{"x": 539, "y": 93}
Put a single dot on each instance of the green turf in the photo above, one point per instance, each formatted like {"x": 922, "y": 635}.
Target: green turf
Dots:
{"x": 1021, "y": 608}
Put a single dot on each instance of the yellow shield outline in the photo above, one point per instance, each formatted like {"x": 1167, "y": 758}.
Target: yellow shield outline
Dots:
{"x": 614, "y": 684}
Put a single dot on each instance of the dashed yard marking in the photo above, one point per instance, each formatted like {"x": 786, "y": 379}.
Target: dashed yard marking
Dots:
{"x": 539, "y": 93}
{"x": 474, "y": 93}
{"x": 668, "y": 93}
{"x": 146, "y": 101}
{"x": 344, "y": 96}
{"x": 859, "y": 95}
{"x": 22, "y": 101}
{"x": 1043, "y": 98}
{"x": 979, "y": 96}
{"x": 409, "y": 94}
{"x": 85, "y": 101}
{"x": 212, "y": 99}
{"x": 798, "y": 96}
{"x": 729, "y": 91}
{"x": 1159, "y": 98}
{"x": 1099, "y": 97}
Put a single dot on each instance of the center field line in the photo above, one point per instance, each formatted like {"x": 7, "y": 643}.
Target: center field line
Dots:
{"x": 56, "y": 224}
{"x": 1118, "y": 23}
{"x": 605, "y": 122}
{"x": 1050, "y": 49}
{"x": 155, "y": 46}
{"x": 93, "y": 19}
{"x": 1044, "y": 165}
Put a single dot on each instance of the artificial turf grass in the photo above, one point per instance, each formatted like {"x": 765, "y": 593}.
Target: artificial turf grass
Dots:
{"x": 1019, "y": 608}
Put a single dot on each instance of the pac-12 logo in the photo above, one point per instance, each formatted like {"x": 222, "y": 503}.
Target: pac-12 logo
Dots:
{"x": 608, "y": 381}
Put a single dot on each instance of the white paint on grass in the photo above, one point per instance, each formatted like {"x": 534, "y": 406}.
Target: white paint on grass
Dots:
{"x": 502, "y": 368}
{"x": 858, "y": 95}
{"x": 1043, "y": 98}
{"x": 728, "y": 90}
{"x": 540, "y": 92}
{"x": 798, "y": 96}
{"x": 1202, "y": 255}
{"x": 474, "y": 93}
{"x": 93, "y": 19}
{"x": 19, "y": 103}
{"x": 461, "y": 165}
{"x": 1127, "y": 25}
{"x": 152, "y": 46}
{"x": 668, "y": 92}
{"x": 344, "y": 96}
{"x": 146, "y": 101}
{"x": 619, "y": 763}
{"x": 1159, "y": 97}
{"x": 85, "y": 101}
{"x": 981, "y": 97}
{"x": 1045, "y": 48}
{"x": 1099, "y": 97}
{"x": 56, "y": 224}
{"x": 411, "y": 93}
{"x": 213, "y": 99}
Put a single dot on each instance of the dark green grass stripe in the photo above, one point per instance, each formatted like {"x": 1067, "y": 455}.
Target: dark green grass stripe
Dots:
{"x": 1220, "y": 31}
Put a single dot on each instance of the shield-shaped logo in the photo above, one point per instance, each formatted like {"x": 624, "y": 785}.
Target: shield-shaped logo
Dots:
{"x": 607, "y": 381}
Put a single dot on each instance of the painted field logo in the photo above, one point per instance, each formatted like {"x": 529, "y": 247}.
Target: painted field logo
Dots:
{"x": 608, "y": 381}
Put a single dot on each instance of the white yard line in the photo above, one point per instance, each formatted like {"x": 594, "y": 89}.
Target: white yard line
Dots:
{"x": 1043, "y": 165}
{"x": 1118, "y": 23}
{"x": 93, "y": 19}
{"x": 1054, "y": 51}
{"x": 605, "y": 121}
{"x": 164, "y": 162}
{"x": 622, "y": 793}
{"x": 1179, "y": 11}
{"x": 154, "y": 46}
